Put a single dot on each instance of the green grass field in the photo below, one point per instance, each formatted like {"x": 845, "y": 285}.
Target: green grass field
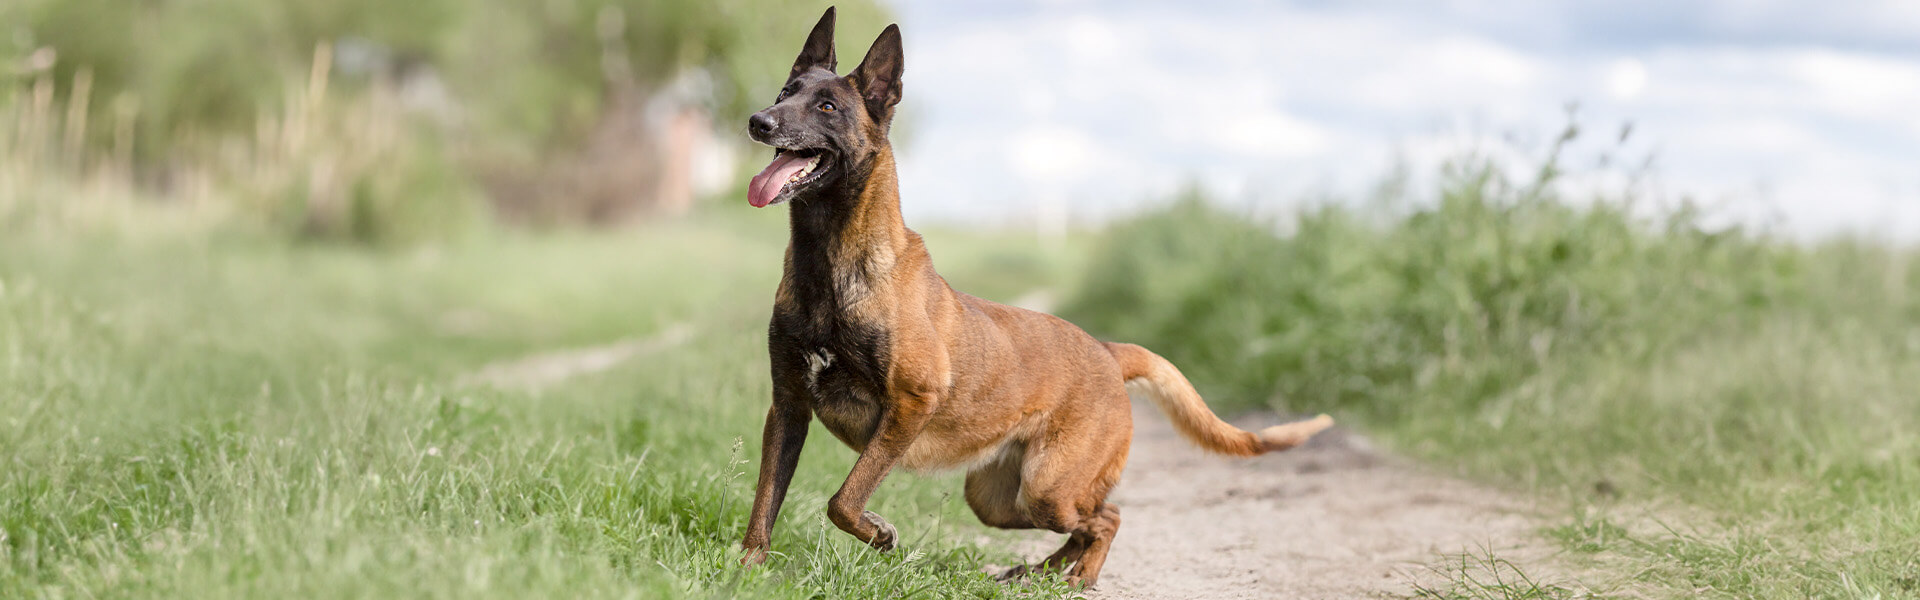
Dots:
{"x": 236, "y": 417}
{"x": 232, "y": 415}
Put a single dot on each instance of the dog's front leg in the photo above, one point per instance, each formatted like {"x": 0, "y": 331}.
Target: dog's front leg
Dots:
{"x": 899, "y": 426}
{"x": 785, "y": 434}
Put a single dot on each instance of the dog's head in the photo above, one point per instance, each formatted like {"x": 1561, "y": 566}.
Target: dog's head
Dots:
{"x": 822, "y": 125}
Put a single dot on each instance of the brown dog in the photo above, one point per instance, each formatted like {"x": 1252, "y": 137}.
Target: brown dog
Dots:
{"x": 909, "y": 372}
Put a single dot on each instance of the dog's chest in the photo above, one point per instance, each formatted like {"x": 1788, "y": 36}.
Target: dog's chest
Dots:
{"x": 840, "y": 365}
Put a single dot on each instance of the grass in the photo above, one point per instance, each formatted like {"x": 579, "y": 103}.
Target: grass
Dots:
{"x": 1723, "y": 413}
{"x": 1484, "y": 575}
{"x": 229, "y": 416}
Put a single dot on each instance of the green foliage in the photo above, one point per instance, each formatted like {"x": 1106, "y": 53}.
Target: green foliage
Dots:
{"x": 372, "y": 120}
{"x": 1473, "y": 293}
{"x": 540, "y": 66}
{"x": 421, "y": 197}
{"x": 531, "y": 70}
{"x": 207, "y": 66}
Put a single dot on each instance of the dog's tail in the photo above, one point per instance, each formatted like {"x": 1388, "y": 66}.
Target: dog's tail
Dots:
{"x": 1147, "y": 373}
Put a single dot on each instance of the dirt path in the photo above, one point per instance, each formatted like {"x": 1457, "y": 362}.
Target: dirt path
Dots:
{"x": 1332, "y": 519}
{"x": 541, "y": 370}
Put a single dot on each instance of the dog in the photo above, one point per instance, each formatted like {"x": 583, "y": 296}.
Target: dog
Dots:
{"x": 868, "y": 339}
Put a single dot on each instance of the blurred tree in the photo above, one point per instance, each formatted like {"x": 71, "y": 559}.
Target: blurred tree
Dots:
{"x": 560, "y": 110}
{"x": 535, "y": 71}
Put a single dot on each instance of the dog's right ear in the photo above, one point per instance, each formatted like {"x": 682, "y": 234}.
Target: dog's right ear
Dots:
{"x": 878, "y": 76}
{"x": 818, "y": 52}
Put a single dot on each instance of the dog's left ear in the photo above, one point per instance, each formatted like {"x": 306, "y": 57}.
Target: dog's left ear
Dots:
{"x": 878, "y": 76}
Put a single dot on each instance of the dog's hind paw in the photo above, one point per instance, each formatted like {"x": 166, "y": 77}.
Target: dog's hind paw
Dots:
{"x": 1014, "y": 573}
{"x": 885, "y": 536}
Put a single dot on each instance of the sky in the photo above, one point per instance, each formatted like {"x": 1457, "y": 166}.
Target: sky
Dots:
{"x": 1799, "y": 116}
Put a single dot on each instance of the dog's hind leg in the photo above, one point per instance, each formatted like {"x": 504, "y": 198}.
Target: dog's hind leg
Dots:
{"x": 1092, "y": 532}
{"x": 993, "y": 492}
{"x": 1064, "y": 486}
{"x": 1099, "y": 532}
{"x": 1068, "y": 553}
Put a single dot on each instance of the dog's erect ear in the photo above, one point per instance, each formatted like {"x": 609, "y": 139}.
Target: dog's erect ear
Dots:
{"x": 878, "y": 76}
{"x": 818, "y": 52}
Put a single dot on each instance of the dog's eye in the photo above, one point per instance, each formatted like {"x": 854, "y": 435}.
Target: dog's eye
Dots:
{"x": 826, "y": 107}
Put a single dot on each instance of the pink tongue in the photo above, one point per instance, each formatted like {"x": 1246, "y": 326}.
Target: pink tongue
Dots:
{"x": 767, "y": 184}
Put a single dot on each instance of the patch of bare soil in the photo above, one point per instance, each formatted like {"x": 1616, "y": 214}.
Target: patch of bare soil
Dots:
{"x": 1331, "y": 519}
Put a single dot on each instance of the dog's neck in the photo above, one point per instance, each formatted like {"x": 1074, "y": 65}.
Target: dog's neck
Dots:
{"x": 848, "y": 237}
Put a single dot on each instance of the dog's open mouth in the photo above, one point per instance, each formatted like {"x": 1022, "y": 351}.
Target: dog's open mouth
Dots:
{"x": 790, "y": 171}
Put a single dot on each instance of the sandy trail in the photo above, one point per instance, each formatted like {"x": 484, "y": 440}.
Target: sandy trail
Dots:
{"x": 1332, "y": 519}
{"x": 538, "y": 371}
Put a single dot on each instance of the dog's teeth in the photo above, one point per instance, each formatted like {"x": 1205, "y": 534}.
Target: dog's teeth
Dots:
{"x": 804, "y": 170}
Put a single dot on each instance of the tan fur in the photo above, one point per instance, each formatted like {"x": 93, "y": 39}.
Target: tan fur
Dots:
{"x": 1170, "y": 391}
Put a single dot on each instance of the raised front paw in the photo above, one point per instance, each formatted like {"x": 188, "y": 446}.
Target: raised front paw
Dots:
{"x": 884, "y": 536}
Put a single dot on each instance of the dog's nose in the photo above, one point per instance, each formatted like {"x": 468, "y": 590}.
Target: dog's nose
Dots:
{"x": 760, "y": 125}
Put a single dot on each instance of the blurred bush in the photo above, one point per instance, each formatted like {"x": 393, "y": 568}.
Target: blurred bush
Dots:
{"x": 1453, "y": 302}
{"x": 558, "y": 110}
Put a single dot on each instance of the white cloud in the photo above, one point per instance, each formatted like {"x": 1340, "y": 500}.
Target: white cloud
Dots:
{"x": 1051, "y": 154}
{"x": 1862, "y": 87}
{"x": 1626, "y": 79}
